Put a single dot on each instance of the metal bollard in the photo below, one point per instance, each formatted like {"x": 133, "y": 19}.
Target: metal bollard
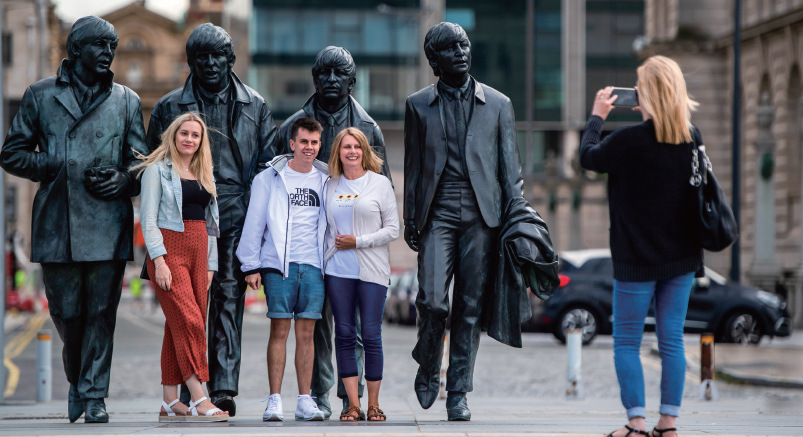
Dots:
{"x": 708, "y": 387}
{"x": 574, "y": 346}
{"x": 44, "y": 370}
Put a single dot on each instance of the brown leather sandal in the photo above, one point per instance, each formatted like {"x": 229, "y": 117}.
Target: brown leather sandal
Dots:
{"x": 375, "y": 414}
{"x": 352, "y": 414}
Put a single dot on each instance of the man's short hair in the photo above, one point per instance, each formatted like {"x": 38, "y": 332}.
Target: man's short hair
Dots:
{"x": 208, "y": 38}
{"x": 307, "y": 123}
{"x": 439, "y": 37}
{"x": 334, "y": 57}
{"x": 85, "y": 31}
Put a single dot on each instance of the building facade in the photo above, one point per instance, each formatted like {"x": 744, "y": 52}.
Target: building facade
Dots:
{"x": 699, "y": 35}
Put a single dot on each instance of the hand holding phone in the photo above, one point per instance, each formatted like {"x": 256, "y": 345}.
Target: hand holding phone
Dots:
{"x": 625, "y": 96}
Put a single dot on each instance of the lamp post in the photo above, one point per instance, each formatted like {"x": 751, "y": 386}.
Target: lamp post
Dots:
{"x": 737, "y": 48}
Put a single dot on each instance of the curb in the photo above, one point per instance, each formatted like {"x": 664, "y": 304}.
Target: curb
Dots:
{"x": 734, "y": 376}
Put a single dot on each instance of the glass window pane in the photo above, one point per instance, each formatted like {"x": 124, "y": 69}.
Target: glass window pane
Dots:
{"x": 284, "y": 38}
{"x": 376, "y": 34}
{"x": 316, "y": 32}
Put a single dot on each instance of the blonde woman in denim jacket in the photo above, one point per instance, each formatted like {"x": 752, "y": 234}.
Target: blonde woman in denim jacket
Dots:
{"x": 180, "y": 224}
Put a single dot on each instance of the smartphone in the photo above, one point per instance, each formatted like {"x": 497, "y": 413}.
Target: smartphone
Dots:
{"x": 627, "y": 97}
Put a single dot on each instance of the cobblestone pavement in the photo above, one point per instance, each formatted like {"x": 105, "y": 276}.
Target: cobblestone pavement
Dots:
{"x": 536, "y": 370}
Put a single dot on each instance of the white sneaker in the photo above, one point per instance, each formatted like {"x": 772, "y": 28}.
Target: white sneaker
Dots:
{"x": 273, "y": 412}
{"x": 307, "y": 409}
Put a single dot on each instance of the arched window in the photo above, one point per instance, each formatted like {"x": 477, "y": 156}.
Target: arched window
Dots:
{"x": 134, "y": 74}
{"x": 135, "y": 43}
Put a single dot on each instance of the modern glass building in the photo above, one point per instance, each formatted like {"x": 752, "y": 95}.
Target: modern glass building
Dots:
{"x": 548, "y": 56}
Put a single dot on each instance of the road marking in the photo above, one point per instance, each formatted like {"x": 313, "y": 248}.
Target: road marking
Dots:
{"x": 15, "y": 347}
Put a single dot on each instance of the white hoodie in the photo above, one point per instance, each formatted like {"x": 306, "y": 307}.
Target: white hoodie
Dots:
{"x": 267, "y": 229}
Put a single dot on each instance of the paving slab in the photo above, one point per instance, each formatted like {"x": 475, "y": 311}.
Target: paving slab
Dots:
{"x": 490, "y": 417}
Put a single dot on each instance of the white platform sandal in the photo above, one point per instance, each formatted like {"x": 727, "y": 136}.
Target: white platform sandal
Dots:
{"x": 168, "y": 415}
{"x": 208, "y": 417}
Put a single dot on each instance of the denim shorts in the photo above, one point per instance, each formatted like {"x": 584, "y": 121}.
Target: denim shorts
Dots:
{"x": 299, "y": 296}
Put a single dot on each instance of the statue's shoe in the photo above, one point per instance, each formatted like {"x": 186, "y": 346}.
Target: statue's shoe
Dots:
{"x": 96, "y": 411}
{"x": 75, "y": 405}
{"x": 426, "y": 387}
{"x": 226, "y": 403}
{"x": 457, "y": 407}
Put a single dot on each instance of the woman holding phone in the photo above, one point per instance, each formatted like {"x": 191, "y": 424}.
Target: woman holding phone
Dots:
{"x": 179, "y": 217}
{"x": 654, "y": 247}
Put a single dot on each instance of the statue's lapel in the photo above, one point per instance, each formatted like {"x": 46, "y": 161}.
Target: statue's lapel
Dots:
{"x": 478, "y": 113}
{"x": 67, "y": 99}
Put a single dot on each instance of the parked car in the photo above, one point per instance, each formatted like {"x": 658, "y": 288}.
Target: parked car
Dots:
{"x": 400, "y": 305}
{"x": 735, "y": 313}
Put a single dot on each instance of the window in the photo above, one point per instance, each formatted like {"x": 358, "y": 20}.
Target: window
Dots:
{"x": 134, "y": 74}
{"x": 135, "y": 43}
{"x": 8, "y": 49}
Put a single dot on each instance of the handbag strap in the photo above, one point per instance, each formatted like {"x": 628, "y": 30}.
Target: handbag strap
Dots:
{"x": 698, "y": 177}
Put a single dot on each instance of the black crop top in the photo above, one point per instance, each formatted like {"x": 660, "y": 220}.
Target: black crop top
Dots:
{"x": 194, "y": 200}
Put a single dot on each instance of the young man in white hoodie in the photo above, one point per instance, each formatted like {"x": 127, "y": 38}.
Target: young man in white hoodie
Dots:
{"x": 282, "y": 247}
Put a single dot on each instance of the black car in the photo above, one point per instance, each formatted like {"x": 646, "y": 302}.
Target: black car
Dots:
{"x": 734, "y": 313}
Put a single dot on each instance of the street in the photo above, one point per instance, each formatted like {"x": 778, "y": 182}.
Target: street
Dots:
{"x": 514, "y": 388}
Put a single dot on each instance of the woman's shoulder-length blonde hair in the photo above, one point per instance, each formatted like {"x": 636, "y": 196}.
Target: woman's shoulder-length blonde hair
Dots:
{"x": 369, "y": 159}
{"x": 201, "y": 164}
{"x": 662, "y": 93}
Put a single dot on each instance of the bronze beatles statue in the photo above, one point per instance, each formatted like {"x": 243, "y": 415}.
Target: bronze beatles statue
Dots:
{"x": 461, "y": 166}
{"x": 334, "y": 75}
{"x": 76, "y": 134}
{"x": 243, "y": 137}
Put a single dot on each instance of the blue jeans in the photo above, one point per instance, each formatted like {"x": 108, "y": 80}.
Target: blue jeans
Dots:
{"x": 298, "y": 296}
{"x": 631, "y": 302}
{"x": 345, "y": 295}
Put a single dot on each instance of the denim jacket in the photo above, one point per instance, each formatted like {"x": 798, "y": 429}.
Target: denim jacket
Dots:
{"x": 160, "y": 207}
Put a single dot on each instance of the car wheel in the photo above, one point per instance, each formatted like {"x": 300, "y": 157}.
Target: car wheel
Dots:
{"x": 577, "y": 318}
{"x": 742, "y": 327}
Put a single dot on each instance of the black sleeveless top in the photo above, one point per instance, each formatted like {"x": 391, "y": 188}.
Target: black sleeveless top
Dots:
{"x": 194, "y": 200}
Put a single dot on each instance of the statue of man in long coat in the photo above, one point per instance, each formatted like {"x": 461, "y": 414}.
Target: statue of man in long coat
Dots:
{"x": 76, "y": 134}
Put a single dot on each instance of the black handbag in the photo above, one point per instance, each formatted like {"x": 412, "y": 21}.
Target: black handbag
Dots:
{"x": 717, "y": 227}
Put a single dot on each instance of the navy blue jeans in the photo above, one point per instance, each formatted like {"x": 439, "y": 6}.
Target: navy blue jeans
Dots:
{"x": 631, "y": 302}
{"x": 344, "y": 297}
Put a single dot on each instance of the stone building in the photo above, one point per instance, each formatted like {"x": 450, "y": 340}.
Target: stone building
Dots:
{"x": 699, "y": 36}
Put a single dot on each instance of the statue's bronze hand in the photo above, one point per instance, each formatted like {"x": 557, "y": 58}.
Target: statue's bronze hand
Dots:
{"x": 108, "y": 183}
{"x": 411, "y": 237}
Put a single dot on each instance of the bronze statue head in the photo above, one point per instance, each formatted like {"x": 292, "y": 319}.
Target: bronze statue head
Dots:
{"x": 334, "y": 74}
{"x": 448, "y": 49}
{"x": 91, "y": 45}
{"x": 210, "y": 56}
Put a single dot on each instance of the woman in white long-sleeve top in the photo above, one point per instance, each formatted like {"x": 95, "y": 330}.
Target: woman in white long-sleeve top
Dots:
{"x": 362, "y": 219}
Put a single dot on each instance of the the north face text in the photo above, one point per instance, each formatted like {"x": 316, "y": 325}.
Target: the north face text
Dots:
{"x": 305, "y": 197}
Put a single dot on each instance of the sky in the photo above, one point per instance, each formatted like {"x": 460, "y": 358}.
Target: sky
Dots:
{"x": 71, "y": 10}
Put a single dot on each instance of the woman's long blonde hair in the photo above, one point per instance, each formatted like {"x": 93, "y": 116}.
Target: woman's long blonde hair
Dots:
{"x": 201, "y": 164}
{"x": 662, "y": 93}
{"x": 369, "y": 159}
